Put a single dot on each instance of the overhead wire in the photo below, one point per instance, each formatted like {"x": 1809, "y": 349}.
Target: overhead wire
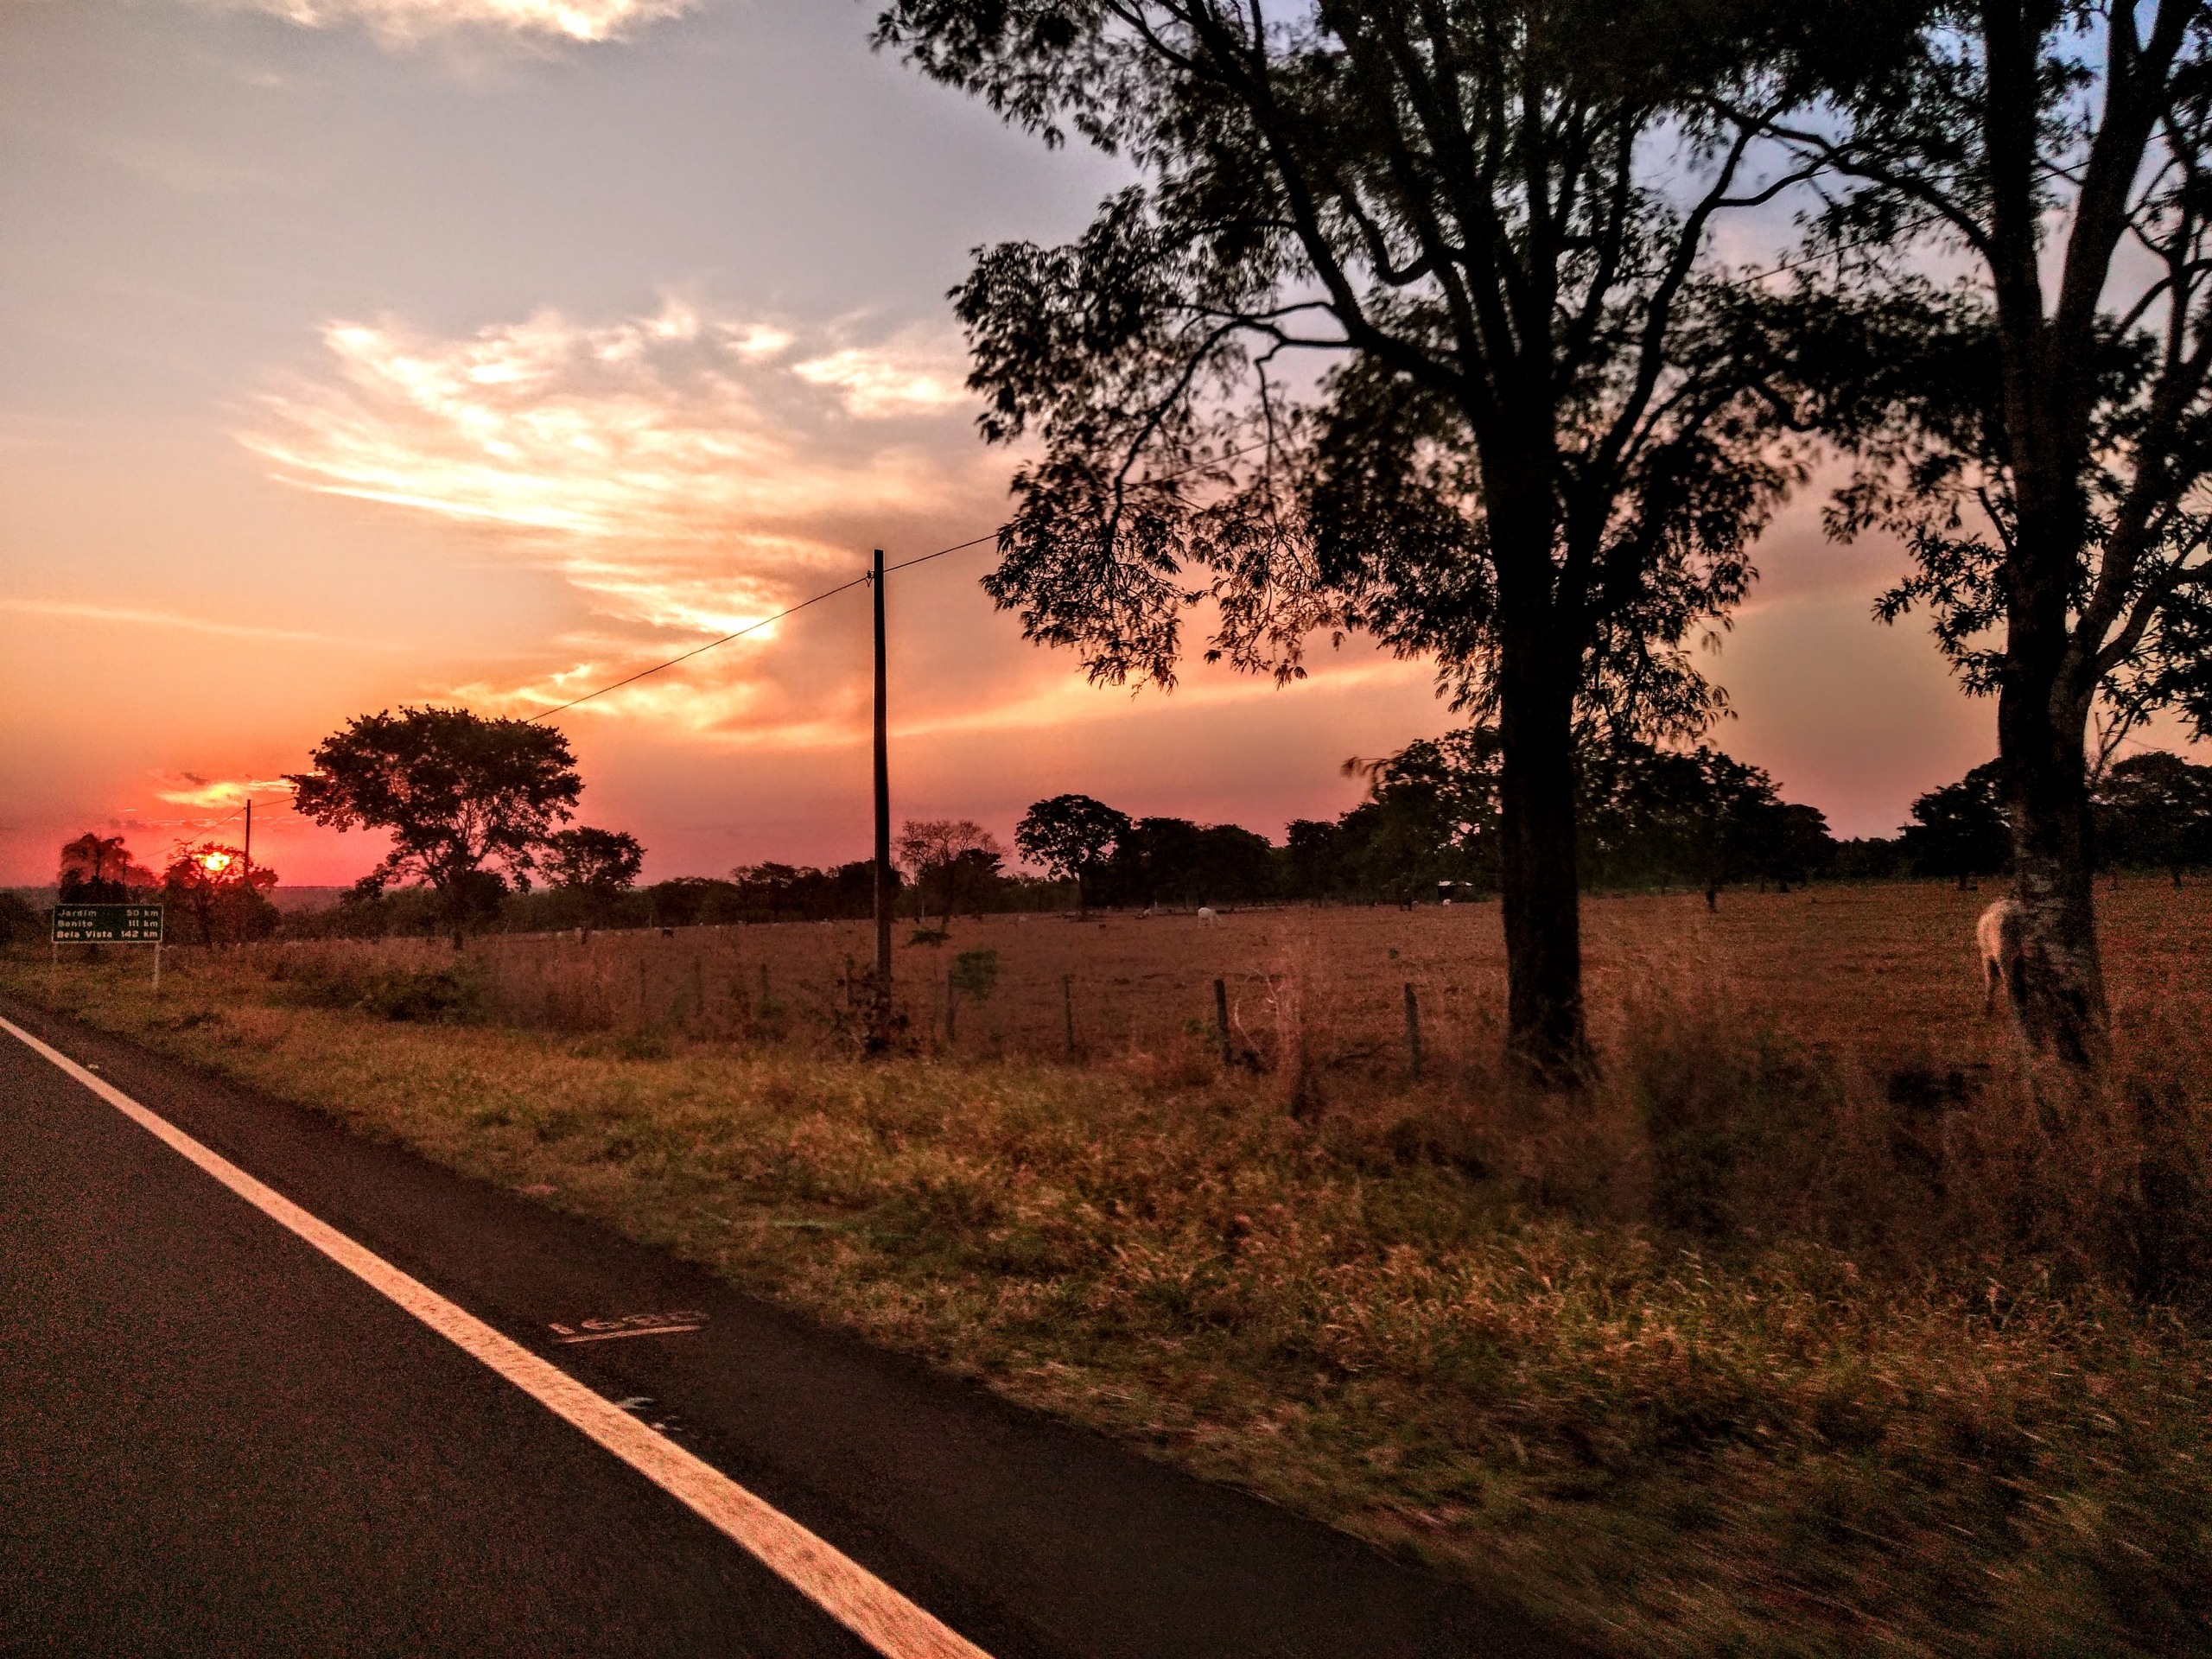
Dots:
{"x": 991, "y": 535}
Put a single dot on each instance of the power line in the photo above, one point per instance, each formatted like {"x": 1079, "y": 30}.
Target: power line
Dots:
{"x": 750, "y": 627}
{"x": 831, "y": 593}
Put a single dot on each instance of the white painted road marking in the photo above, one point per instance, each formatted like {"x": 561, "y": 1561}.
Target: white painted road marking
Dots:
{"x": 630, "y": 1324}
{"x": 841, "y": 1587}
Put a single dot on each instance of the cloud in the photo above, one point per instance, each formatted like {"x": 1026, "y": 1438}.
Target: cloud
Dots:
{"x": 190, "y": 788}
{"x": 406, "y": 22}
{"x": 895, "y": 381}
{"x": 70, "y": 610}
{"x": 688, "y": 474}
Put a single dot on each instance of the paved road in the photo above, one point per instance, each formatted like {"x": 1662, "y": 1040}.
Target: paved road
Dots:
{"x": 214, "y": 1439}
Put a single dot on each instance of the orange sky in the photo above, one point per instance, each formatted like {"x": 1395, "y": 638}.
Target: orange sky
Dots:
{"x": 365, "y": 352}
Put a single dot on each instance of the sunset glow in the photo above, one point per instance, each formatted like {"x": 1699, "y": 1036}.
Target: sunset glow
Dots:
{"x": 376, "y": 352}
{"x": 405, "y": 22}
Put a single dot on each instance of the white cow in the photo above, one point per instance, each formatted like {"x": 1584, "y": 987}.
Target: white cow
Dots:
{"x": 1998, "y": 936}
{"x": 1207, "y": 918}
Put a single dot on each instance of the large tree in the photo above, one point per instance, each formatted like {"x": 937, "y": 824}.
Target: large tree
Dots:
{"x": 99, "y": 869}
{"x": 470, "y": 802}
{"x": 599, "y": 863}
{"x": 1072, "y": 836}
{"x": 2048, "y": 426}
{"x": 2155, "y": 809}
{"x": 955, "y": 856}
{"x": 226, "y": 897}
{"x": 1527, "y": 438}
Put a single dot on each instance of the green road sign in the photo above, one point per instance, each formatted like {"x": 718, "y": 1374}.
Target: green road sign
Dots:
{"x": 107, "y": 924}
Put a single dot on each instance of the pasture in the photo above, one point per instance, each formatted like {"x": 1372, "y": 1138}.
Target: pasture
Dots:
{"x": 1886, "y": 970}
{"x": 1819, "y": 1325}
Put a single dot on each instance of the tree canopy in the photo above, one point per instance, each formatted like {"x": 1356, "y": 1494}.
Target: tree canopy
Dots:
{"x": 1071, "y": 836}
{"x": 470, "y": 802}
{"x": 954, "y": 860}
{"x": 225, "y": 898}
{"x": 99, "y": 869}
{"x": 599, "y": 861}
{"x": 1532, "y": 435}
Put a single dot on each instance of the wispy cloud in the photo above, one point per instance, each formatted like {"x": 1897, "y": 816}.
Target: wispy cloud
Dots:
{"x": 130, "y": 616}
{"x": 887, "y": 382}
{"x": 191, "y": 789}
{"x": 407, "y": 22}
{"x": 688, "y": 474}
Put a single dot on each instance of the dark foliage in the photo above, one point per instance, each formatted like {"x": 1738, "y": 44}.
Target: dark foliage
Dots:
{"x": 227, "y": 903}
{"x": 99, "y": 869}
{"x": 1072, "y": 837}
{"x": 2154, "y": 810}
{"x": 1960, "y": 832}
{"x": 470, "y": 802}
{"x": 1541, "y": 436}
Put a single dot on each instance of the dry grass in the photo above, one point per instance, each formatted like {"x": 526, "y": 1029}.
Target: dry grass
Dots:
{"x": 1785, "y": 1340}
{"x": 1886, "y": 968}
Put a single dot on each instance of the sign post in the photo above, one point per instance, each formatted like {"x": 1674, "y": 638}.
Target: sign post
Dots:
{"x": 110, "y": 925}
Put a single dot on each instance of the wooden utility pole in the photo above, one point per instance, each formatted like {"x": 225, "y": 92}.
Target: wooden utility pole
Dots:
{"x": 885, "y": 894}
{"x": 248, "y": 860}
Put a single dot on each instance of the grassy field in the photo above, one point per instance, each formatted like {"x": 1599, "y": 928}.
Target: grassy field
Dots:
{"x": 1820, "y": 1324}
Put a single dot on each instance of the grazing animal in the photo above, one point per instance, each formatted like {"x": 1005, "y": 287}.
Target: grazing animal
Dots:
{"x": 1206, "y": 917}
{"x": 1997, "y": 937}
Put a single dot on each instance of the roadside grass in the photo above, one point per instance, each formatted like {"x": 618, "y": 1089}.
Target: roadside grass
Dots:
{"x": 1757, "y": 1349}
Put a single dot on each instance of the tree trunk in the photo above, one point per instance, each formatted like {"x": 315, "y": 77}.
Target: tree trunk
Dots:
{"x": 2063, "y": 989}
{"x": 1539, "y": 894}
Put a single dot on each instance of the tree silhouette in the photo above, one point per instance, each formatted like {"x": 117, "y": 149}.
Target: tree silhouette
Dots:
{"x": 2156, "y": 808}
{"x": 1541, "y": 439}
{"x": 1961, "y": 829}
{"x": 944, "y": 851}
{"x": 602, "y": 863}
{"x": 1072, "y": 836}
{"x": 469, "y": 802}
{"x": 99, "y": 869}
{"x": 210, "y": 882}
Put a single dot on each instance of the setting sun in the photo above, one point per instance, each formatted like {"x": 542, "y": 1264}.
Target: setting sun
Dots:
{"x": 214, "y": 863}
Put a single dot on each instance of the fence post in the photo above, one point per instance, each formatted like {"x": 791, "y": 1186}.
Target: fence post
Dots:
{"x": 1412, "y": 1030}
{"x": 1221, "y": 1019}
{"x": 1067, "y": 1010}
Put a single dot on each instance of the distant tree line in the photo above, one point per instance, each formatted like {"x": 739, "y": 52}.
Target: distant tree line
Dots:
{"x": 473, "y": 806}
{"x": 2150, "y": 812}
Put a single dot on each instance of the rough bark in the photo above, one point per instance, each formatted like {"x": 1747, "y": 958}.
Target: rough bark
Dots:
{"x": 2042, "y": 726}
{"x": 1540, "y": 889}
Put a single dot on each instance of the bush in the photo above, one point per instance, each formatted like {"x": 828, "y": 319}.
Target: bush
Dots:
{"x": 19, "y": 923}
{"x": 444, "y": 995}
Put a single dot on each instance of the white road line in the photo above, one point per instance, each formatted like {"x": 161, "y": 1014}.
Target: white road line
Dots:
{"x": 848, "y": 1591}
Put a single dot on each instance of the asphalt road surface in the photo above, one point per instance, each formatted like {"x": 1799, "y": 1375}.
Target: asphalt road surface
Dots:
{"x": 213, "y": 1439}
